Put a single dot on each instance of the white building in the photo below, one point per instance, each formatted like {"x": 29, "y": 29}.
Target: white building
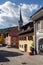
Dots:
{"x": 38, "y": 30}
{"x": 8, "y": 40}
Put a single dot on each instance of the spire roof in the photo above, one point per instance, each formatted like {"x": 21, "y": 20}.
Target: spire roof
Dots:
{"x": 21, "y": 15}
{"x": 20, "y": 21}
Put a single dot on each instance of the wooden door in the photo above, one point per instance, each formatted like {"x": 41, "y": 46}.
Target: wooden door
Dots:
{"x": 25, "y": 46}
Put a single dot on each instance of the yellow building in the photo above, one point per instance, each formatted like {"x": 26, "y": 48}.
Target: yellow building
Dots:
{"x": 1, "y": 38}
{"x": 26, "y": 37}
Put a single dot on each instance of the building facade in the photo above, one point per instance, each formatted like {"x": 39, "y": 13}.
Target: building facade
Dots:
{"x": 38, "y": 30}
{"x": 26, "y": 37}
{"x": 2, "y": 39}
{"x": 14, "y": 37}
{"x": 7, "y": 40}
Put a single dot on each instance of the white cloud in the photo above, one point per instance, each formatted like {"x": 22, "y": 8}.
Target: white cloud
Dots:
{"x": 28, "y": 10}
{"x": 9, "y": 13}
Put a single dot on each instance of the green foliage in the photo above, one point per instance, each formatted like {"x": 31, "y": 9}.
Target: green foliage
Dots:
{"x": 32, "y": 47}
{"x": 6, "y": 29}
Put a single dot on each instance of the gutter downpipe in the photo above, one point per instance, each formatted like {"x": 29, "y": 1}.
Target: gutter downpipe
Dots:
{"x": 35, "y": 37}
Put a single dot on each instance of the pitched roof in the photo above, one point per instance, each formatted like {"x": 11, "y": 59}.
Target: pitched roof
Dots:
{"x": 41, "y": 9}
{"x": 27, "y": 31}
{"x": 28, "y": 24}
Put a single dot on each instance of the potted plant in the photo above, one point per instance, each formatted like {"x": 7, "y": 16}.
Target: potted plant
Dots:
{"x": 32, "y": 49}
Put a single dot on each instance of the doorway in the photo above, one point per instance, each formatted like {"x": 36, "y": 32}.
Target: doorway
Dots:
{"x": 40, "y": 45}
{"x": 25, "y": 46}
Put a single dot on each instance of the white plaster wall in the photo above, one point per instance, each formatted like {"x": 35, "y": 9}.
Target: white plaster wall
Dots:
{"x": 8, "y": 40}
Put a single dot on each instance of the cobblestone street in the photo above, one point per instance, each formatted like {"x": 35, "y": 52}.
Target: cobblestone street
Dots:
{"x": 12, "y": 56}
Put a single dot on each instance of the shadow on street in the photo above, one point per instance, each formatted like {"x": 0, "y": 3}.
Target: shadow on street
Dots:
{"x": 4, "y": 53}
{"x": 4, "y": 59}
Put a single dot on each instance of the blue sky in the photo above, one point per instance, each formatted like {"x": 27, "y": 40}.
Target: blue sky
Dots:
{"x": 40, "y": 2}
{"x": 10, "y": 11}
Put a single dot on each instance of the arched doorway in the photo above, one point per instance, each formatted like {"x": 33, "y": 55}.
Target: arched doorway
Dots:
{"x": 40, "y": 45}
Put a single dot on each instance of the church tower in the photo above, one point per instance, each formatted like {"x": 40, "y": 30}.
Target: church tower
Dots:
{"x": 20, "y": 21}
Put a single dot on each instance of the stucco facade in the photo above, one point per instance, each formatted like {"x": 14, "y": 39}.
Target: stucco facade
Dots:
{"x": 14, "y": 37}
{"x": 38, "y": 30}
{"x": 27, "y": 42}
{"x": 26, "y": 37}
{"x": 8, "y": 40}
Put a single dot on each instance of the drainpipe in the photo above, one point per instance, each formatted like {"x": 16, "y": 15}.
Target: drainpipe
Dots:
{"x": 35, "y": 37}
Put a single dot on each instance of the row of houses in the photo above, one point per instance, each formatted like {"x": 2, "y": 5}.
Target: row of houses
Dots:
{"x": 10, "y": 38}
{"x": 28, "y": 35}
{"x": 32, "y": 33}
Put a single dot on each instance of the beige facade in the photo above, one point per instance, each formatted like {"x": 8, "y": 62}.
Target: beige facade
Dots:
{"x": 26, "y": 37}
{"x": 24, "y": 45}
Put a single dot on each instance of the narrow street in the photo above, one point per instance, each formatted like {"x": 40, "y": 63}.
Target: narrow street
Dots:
{"x": 12, "y": 56}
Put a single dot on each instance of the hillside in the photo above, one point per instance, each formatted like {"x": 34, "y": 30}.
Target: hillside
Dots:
{"x": 6, "y": 29}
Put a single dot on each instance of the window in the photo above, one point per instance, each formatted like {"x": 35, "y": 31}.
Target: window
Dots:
{"x": 30, "y": 38}
{"x": 21, "y": 46}
{"x": 38, "y": 25}
{"x": 22, "y": 38}
{"x": 41, "y": 24}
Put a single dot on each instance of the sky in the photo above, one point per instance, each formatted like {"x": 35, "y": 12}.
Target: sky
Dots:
{"x": 10, "y": 11}
{"x": 40, "y": 2}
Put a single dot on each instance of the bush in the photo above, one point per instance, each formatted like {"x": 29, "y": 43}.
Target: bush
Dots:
{"x": 32, "y": 48}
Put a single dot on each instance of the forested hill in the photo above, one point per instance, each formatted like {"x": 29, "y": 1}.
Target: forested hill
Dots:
{"x": 6, "y": 29}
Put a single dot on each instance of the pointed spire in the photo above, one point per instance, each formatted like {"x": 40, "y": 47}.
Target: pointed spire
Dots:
{"x": 20, "y": 21}
{"x": 21, "y": 16}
